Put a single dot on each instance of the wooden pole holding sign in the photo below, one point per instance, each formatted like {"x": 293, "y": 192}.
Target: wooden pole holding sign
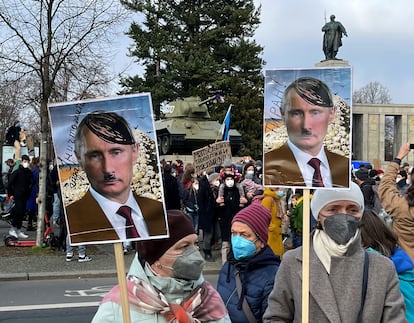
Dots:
{"x": 305, "y": 256}
{"x": 120, "y": 269}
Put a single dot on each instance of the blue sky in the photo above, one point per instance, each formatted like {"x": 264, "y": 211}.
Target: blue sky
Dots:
{"x": 380, "y": 46}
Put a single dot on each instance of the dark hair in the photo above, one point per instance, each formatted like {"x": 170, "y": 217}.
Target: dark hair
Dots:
{"x": 188, "y": 174}
{"x": 107, "y": 126}
{"x": 299, "y": 191}
{"x": 311, "y": 90}
{"x": 373, "y": 173}
{"x": 167, "y": 168}
{"x": 246, "y": 166}
{"x": 409, "y": 195}
{"x": 376, "y": 234}
{"x": 35, "y": 160}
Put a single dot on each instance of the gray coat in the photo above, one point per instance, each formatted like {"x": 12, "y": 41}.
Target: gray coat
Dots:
{"x": 336, "y": 297}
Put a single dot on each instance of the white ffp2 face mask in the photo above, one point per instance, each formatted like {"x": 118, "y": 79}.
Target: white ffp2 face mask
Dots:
{"x": 230, "y": 183}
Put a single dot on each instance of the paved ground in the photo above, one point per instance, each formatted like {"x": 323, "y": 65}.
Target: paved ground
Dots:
{"x": 24, "y": 263}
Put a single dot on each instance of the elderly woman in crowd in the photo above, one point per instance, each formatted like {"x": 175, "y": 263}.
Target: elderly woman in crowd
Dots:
{"x": 346, "y": 283}
{"x": 165, "y": 283}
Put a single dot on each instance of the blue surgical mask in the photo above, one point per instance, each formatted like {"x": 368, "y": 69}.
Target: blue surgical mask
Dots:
{"x": 242, "y": 248}
{"x": 280, "y": 193}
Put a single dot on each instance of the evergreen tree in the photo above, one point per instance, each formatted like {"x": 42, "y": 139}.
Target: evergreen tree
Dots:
{"x": 202, "y": 48}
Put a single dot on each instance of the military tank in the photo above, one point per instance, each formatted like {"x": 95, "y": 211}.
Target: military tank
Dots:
{"x": 186, "y": 125}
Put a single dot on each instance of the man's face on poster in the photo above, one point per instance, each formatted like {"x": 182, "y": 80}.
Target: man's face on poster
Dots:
{"x": 108, "y": 166}
{"x": 306, "y": 123}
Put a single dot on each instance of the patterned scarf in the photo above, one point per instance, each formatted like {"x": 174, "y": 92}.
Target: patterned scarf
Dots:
{"x": 203, "y": 304}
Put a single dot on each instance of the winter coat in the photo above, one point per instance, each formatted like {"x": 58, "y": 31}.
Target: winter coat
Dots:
{"x": 257, "y": 277}
{"x": 367, "y": 191}
{"x": 31, "y": 202}
{"x": 296, "y": 218}
{"x": 20, "y": 183}
{"x": 228, "y": 210}
{"x": 397, "y": 207}
{"x": 252, "y": 185}
{"x": 171, "y": 192}
{"x": 405, "y": 271}
{"x": 13, "y": 134}
{"x": 190, "y": 200}
{"x": 336, "y": 297}
{"x": 207, "y": 206}
{"x": 174, "y": 290}
{"x": 271, "y": 201}
{"x": 52, "y": 185}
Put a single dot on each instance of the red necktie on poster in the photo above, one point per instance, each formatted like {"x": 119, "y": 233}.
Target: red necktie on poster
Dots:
{"x": 130, "y": 229}
{"x": 317, "y": 176}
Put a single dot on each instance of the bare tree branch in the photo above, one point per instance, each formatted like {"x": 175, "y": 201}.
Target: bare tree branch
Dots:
{"x": 373, "y": 92}
{"x": 61, "y": 46}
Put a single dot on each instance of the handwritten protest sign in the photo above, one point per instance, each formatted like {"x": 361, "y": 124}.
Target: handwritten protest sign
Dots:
{"x": 210, "y": 156}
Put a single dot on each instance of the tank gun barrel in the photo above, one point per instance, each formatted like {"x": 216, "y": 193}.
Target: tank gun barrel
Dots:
{"x": 214, "y": 97}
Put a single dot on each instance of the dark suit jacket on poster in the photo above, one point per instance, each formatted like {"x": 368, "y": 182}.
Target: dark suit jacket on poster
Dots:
{"x": 86, "y": 216}
{"x": 281, "y": 168}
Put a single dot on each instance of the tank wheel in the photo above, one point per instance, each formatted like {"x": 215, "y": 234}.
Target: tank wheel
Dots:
{"x": 165, "y": 145}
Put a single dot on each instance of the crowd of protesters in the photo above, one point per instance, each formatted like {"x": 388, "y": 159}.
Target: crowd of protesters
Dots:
{"x": 213, "y": 198}
{"x": 258, "y": 232}
{"x": 20, "y": 202}
{"x": 255, "y": 227}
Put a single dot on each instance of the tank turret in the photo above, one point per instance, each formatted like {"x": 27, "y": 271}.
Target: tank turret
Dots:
{"x": 186, "y": 125}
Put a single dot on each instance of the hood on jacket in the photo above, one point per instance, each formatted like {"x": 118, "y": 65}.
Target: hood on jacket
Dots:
{"x": 401, "y": 260}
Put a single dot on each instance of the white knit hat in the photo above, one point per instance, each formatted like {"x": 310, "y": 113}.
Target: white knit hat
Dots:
{"x": 323, "y": 197}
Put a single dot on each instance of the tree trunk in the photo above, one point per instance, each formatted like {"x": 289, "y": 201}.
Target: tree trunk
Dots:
{"x": 43, "y": 173}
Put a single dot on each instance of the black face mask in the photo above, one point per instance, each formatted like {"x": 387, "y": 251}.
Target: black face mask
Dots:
{"x": 341, "y": 227}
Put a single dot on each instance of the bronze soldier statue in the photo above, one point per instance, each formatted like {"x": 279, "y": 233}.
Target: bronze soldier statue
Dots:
{"x": 332, "y": 38}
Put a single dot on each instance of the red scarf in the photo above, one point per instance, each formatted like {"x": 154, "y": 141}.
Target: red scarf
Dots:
{"x": 203, "y": 304}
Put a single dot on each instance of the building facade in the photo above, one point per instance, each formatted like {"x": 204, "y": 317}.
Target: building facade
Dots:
{"x": 378, "y": 130}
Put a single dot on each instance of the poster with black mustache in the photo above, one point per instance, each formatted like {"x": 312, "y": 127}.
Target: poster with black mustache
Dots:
{"x": 108, "y": 169}
{"x": 307, "y": 127}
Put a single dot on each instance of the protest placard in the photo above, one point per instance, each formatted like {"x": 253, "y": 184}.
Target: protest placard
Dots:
{"x": 210, "y": 156}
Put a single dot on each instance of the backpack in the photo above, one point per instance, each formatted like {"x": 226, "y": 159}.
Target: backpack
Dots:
{"x": 377, "y": 207}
